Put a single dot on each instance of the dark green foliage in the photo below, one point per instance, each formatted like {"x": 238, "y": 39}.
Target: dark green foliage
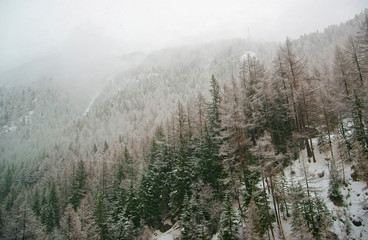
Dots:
{"x": 94, "y": 148}
{"x": 334, "y": 193}
{"x": 156, "y": 184}
{"x": 5, "y": 187}
{"x": 250, "y": 179}
{"x": 52, "y": 214}
{"x": 131, "y": 209}
{"x": 214, "y": 120}
{"x": 186, "y": 220}
{"x": 229, "y": 222}
{"x": 125, "y": 167}
{"x": 36, "y": 207}
{"x": 281, "y": 124}
{"x": 78, "y": 185}
{"x": 252, "y": 191}
{"x": 309, "y": 213}
{"x": 261, "y": 202}
{"x": 209, "y": 165}
{"x": 106, "y": 146}
{"x": 182, "y": 177}
{"x": 124, "y": 218}
{"x": 359, "y": 126}
{"x": 201, "y": 213}
{"x": 101, "y": 216}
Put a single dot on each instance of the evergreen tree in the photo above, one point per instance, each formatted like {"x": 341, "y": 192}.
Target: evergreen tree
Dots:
{"x": 182, "y": 173}
{"x": 53, "y": 211}
{"x": 106, "y": 146}
{"x": 187, "y": 226}
{"x": 210, "y": 166}
{"x": 229, "y": 222}
{"x": 94, "y": 148}
{"x": 36, "y": 207}
{"x": 78, "y": 185}
{"x": 101, "y": 216}
{"x": 6, "y": 186}
{"x": 156, "y": 184}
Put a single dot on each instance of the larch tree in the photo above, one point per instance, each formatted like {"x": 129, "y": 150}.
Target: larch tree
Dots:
{"x": 70, "y": 225}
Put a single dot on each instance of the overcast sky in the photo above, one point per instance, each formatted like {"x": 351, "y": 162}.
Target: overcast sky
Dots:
{"x": 33, "y": 28}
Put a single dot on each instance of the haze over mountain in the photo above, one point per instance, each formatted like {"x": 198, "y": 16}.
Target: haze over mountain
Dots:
{"x": 183, "y": 120}
{"x": 38, "y": 28}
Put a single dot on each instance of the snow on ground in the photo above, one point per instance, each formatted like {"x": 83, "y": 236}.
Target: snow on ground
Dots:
{"x": 90, "y": 104}
{"x": 355, "y": 194}
{"x": 171, "y": 234}
{"x": 355, "y": 197}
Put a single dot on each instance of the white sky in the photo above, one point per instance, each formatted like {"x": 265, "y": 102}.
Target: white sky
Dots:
{"x": 32, "y": 28}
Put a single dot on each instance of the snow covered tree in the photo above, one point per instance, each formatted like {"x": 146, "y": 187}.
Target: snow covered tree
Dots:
{"x": 36, "y": 207}
{"x": 101, "y": 215}
{"x": 229, "y": 221}
{"x": 52, "y": 217}
{"x": 182, "y": 173}
{"x": 78, "y": 185}
{"x": 156, "y": 184}
{"x": 70, "y": 225}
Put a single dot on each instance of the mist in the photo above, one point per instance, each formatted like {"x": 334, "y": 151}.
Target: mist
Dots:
{"x": 95, "y": 29}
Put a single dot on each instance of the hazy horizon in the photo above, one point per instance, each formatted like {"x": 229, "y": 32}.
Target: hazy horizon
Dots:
{"x": 34, "y": 29}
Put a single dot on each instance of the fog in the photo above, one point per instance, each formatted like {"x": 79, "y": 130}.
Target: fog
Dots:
{"x": 90, "y": 28}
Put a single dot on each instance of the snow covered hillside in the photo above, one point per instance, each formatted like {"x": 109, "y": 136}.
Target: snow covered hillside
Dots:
{"x": 349, "y": 221}
{"x": 352, "y": 217}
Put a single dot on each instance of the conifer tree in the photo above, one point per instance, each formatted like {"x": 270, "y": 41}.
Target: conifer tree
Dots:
{"x": 156, "y": 184}
{"x": 70, "y": 225}
{"x": 78, "y": 185}
{"x": 229, "y": 222}
{"x": 52, "y": 214}
{"x": 101, "y": 215}
{"x": 36, "y": 207}
{"x": 210, "y": 161}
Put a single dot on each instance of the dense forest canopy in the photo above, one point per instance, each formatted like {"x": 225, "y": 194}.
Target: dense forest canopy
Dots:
{"x": 196, "y": 139}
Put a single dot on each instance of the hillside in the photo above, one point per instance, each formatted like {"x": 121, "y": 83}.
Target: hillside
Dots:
{"x": 232, "y": 139}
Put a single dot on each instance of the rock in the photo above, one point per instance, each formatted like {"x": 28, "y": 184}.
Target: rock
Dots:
{"x": 321, "y": 174}
{"x": 357, "y": 223}
{"x": 365, "y": 207}
{"x": 164, "y": 227}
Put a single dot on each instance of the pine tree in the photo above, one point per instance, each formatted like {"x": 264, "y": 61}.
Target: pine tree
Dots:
{"x": 106, "y": 146}
{"x": 53, "y": 210}
{"x": 36, "y": 207}
{"x": 229, "y": 222}
{"x": 186, "y": 220}
{"x": 209, "y": 165}
{"x": 78, "y": 185}
{"x": 94, "y": 148}
{"x": 101, "y": 215}
{"x": 156, "y": 184}
{"x": 182, "y": 172}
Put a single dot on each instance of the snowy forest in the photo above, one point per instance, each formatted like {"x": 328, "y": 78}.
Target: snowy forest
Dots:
{"x": 231, "y": 139}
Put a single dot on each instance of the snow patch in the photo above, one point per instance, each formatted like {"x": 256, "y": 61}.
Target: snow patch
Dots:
{"x": 8, "y": 129}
